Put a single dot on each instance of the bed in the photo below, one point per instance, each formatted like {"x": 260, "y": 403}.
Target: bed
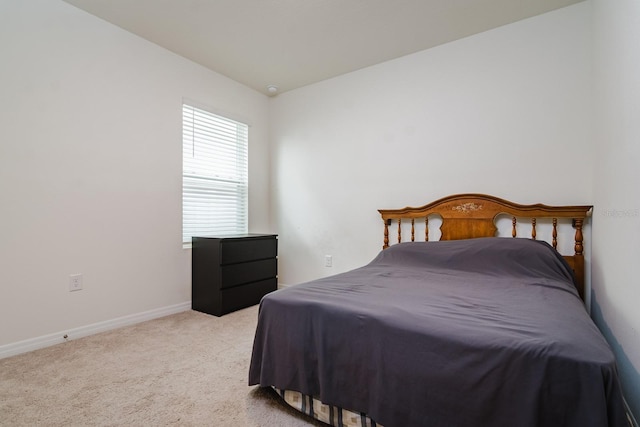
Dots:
{"x": 470, "y": 330}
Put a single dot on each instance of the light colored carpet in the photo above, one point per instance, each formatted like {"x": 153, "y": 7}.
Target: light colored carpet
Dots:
{"x": 188, "y": 369}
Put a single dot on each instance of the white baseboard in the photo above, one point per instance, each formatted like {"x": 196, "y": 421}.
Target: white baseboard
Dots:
{"x": 83, "y": 331}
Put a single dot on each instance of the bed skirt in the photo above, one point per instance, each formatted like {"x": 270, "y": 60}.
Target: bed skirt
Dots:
{"x": 332, "y": 415}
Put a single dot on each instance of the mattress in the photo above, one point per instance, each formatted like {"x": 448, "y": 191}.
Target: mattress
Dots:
{"x": 332, "y": 415}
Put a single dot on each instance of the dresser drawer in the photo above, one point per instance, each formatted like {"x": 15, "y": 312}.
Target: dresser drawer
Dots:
{"x": 235, "y": 251}
{"x": 238, "y": 274}
{"x": 245, "y": 296}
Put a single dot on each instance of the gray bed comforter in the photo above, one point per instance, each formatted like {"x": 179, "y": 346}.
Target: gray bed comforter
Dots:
{"x": 483, "y": 332}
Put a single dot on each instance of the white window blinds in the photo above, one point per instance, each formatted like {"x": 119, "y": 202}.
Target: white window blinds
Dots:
{"x": 214, "y": 174}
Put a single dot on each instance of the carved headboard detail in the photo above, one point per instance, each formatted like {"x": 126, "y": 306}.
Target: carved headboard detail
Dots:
{"x": 468, "y": 216}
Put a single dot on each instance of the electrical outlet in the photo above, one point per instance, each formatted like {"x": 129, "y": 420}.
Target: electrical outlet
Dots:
{"x": 328, "y": 261}
{"x": 75, "y": 282}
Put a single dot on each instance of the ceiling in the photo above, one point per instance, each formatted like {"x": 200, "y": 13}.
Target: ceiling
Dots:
{"x": 293, "y": 43}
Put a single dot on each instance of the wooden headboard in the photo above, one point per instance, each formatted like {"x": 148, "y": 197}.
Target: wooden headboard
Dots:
{"x": 468, "y": 216}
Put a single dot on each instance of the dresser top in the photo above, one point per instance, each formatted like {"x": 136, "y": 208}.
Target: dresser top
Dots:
{"x": 236, "y": 236}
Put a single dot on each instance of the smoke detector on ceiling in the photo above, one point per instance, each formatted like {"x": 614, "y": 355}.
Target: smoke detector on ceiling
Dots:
{"x": 272, "y": 89}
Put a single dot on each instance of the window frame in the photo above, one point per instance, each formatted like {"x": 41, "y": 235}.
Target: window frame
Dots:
{"x": 213, "y": 187}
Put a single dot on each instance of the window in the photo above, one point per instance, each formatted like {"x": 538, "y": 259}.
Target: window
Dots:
{"x": 214, "y": 174}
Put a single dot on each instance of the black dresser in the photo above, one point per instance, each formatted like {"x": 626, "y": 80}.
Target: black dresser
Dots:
{"x": 232, "y": 272}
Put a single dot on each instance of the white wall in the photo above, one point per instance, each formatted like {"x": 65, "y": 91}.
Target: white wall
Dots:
{"x": 90, "y": 168}
{"x": 616, "y": 221}
{"x": 505, "y": 112}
